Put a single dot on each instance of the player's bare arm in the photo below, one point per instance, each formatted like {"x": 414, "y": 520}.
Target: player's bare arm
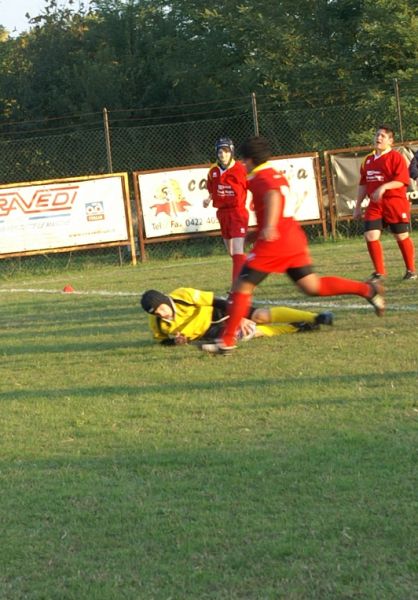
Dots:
{"x": 361, "y": 194}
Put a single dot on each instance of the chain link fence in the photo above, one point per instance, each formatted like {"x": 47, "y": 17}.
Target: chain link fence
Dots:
{"x": 90, "y": 150}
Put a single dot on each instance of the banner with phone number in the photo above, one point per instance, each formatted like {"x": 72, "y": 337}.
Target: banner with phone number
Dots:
{"x": 172, "y": 201}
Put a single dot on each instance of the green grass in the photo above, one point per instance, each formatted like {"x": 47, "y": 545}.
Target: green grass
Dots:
{"x": 129, "y": 470}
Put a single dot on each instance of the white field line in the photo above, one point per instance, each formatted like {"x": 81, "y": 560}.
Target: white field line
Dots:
{"x": 281, "y": 301}
{"x": 73, "y": 293}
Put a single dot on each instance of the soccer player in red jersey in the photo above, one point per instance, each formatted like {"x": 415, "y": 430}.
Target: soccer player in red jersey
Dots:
{"x": 227, "y": 187}
{"x": 384, "y": 178}
{"x": 281, "y": 247}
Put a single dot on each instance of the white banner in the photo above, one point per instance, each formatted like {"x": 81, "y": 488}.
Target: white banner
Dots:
{"x": 300, "y": 173}
{"x": 172, "y": 201}
{"x": 62, "y": 214}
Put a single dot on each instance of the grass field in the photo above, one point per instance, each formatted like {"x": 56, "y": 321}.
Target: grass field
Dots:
{"x": 129, "y": 470}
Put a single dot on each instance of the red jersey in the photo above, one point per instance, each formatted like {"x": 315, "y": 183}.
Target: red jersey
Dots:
{"x": 228, "y": 188}
{"x": 375, "y": 170}
{"x": 389, "y": 166}
{"x": 290, "y": 249}
{"x": 260, "y": 181}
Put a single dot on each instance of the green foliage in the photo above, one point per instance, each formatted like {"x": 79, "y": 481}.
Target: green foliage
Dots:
{"x": 138, "y": 54}
{"x": 323, "y": 73}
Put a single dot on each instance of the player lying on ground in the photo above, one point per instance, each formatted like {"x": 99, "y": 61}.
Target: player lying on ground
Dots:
{"x": 190, "y": 315}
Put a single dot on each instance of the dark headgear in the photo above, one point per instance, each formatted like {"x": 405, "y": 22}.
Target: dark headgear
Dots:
{"x": 151, "y": 300}
{"x": 224, "y": 142}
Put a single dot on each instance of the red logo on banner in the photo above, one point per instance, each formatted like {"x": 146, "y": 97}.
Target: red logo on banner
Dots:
{"x": 171, "y": 208}
{"x": 172, "y": 200}
{"x": 42, "y": 200}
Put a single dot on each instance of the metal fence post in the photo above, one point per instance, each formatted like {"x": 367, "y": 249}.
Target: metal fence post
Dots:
{"x": 398, "y": 107}
{"x": 255, "y": 115}
{"x": 107, "y": 140}
{"x": 109, "y": 159}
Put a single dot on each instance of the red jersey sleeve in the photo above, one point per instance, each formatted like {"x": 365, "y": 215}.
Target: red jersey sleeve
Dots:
{"x": 237, "y": 179}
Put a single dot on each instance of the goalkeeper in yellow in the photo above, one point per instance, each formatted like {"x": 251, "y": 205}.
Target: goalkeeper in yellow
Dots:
{"x": 190, "y": 315}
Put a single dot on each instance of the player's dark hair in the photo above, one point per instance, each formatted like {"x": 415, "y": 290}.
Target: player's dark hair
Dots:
{"x": 257, "y": 148}
{"x": 386, "y": 128}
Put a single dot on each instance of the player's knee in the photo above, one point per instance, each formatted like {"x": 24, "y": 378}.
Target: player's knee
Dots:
{"x": 261, "y": 315}
{"x": 310, "y": 288}
{"x": 372, "y": 236}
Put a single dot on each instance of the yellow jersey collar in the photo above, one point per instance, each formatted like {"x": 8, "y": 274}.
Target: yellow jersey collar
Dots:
{"x": 265, "y": 165}
{"x": 382, "y": 153}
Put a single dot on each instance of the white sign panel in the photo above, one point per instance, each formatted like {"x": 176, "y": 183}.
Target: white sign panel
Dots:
{"x": 172, "y": 201}
{"x": 62, "y": 214}
{"x": 300, "y": 173}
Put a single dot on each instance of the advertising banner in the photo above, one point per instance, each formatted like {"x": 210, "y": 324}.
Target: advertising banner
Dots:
{"x": 300, "y": 173}
{"x": 62, "y": 214}
{"x": 172, "y": 200}
{"x": 345, "y": 176}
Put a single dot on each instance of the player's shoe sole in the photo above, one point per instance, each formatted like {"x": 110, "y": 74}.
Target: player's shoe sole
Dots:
{"x": 303, "y": 326}
{"x": 217, "y": 348}
{"x": 377, "y": 298}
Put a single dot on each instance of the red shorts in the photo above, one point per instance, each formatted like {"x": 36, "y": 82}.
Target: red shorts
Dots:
{"x": 390, "y": 211}
{"x": 234, "y": 223}
{"x": 277, "y": 257}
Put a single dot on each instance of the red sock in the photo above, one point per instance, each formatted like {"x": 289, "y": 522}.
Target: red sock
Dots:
{"x": 407, "y": 248}
{"x": 238, "y": 261}
{"x": 338, "y": 286}
{"x": 238, "y": 305}
{"x": 376, "y": 254}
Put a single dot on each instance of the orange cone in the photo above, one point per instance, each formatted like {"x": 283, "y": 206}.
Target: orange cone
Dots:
{"x": 68, "y": 289}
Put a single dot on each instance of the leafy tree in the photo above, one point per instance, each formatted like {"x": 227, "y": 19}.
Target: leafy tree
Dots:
{"x": 132, "y": 55}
